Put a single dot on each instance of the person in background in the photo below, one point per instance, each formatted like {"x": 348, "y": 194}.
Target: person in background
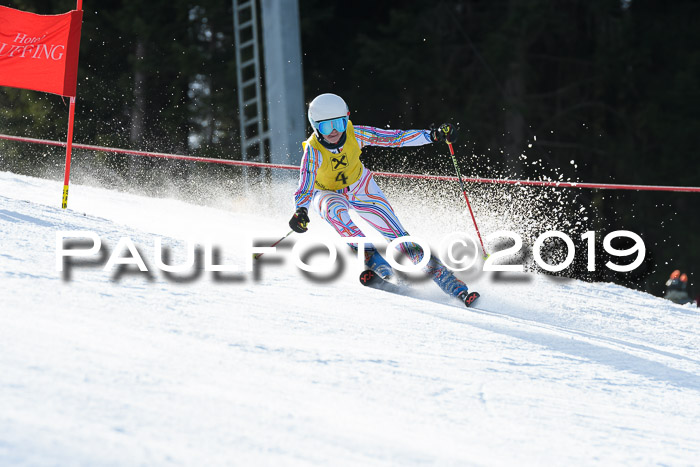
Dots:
{"x": 677, "y": 288}
{"x": 333, "y": 181}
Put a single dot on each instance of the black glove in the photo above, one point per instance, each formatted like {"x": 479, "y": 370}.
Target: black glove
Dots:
{"x": 299, "y": 221}
{"x": 444, "y": 133}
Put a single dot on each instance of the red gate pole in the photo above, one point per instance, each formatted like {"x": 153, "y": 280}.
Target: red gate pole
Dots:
{"x": 69, "y": 148}
{"x": 69, "y": 142}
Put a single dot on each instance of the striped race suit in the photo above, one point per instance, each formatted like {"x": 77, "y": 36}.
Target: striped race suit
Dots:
{"x": 364, "y": 196}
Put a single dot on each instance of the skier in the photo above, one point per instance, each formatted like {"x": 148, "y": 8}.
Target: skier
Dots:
{"x": 333, "y": 180}
{"x": 677, "y": 288}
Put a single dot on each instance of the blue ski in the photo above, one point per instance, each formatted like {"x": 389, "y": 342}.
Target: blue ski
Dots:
{"x": 369, "y": 278}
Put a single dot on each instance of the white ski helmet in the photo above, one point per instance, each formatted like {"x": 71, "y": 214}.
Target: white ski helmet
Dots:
{"x": 325, "y": 107}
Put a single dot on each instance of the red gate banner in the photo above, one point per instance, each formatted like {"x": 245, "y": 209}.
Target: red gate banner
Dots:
{"x": 40, "y": 52}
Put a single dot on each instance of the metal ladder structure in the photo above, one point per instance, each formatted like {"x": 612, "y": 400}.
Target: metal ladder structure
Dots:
{"x": 271, "y": 105}
{"x": 254, "y": 134}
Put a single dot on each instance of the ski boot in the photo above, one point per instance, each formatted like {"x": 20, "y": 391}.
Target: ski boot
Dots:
{"x": 468, "y": 297}
{"x": 375, "y": 262}
{"x": 449, "y": 283}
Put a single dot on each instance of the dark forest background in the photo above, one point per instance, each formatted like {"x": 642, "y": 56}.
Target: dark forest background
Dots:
{"x": 611, "y": 85}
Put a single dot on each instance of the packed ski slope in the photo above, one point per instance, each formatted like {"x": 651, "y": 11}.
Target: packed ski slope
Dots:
{"x": 103, "y": 368}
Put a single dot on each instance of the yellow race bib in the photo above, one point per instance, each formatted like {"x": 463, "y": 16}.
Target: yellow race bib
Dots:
{"x": 338, "y": 171}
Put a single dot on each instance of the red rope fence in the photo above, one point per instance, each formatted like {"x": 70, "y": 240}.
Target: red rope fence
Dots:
{"x": 555, "y": 184}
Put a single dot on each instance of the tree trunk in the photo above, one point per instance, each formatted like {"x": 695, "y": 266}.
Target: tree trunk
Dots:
{"x": 138, "y": 111}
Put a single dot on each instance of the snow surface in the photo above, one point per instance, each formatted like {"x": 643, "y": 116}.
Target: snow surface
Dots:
{"x": 102, "y": 368}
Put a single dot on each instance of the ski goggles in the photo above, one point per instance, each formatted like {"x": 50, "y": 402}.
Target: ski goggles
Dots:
{"x": 326, "y": 127}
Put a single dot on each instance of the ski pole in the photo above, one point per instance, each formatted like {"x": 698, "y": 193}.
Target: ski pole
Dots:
{"x": 258, "y": 255}
{"x": 464, "y": 191}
